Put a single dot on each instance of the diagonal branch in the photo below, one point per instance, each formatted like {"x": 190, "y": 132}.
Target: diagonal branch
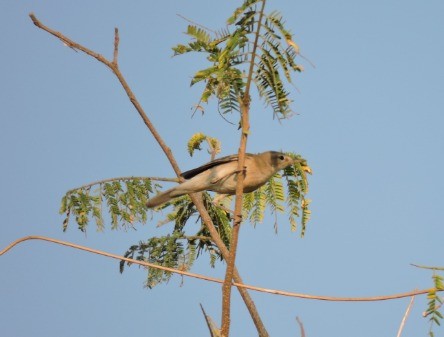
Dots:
{"x": 406, "y": 315}
{"x": 113, "y": 66}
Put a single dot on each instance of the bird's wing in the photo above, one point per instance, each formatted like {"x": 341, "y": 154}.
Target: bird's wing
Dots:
{"x": 191, "y": 173}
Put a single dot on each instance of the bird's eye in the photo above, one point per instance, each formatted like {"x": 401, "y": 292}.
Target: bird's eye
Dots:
{"x": 281, "y": 157}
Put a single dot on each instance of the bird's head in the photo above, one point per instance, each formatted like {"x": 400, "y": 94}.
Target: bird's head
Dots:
{"x": 280, "y": 160}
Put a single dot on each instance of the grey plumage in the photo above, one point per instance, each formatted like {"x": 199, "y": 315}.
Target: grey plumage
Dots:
{"x": 220, "y": 175}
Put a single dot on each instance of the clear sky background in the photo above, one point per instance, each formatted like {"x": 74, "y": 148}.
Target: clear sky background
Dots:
{"x": 369, "y": 121}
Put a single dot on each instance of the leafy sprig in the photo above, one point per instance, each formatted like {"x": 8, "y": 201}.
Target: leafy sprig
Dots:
{"x": 229, "y": 54}
{"x": 125, "y": 200}
{"x": 435, "y": 302}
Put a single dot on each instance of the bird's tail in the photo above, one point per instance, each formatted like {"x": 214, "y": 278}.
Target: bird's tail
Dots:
{"x": 161, "y": 198}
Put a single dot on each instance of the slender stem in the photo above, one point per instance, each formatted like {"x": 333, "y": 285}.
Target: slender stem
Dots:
{"x": 196, "y": 24}
{"x": 116, "y": 46}
{"x": 406, "y": 315}
{"x": 301, "y": 326}
{"x": 214, "y": 331}
{"x": 245, "y": 123}
{"x": 255, "y": 46}
{"x": 427, "y": 267}
{"x": 99, "y": 182}
{"x": 197, "y": 237}
{"x": 240, "y": 285}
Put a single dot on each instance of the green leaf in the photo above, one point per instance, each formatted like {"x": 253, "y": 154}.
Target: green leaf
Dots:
{"x": 198, "y": 33}
{"x": 240, "y": 10}
{"x": 125, "y": 201}
{"x": 204, "y": 74}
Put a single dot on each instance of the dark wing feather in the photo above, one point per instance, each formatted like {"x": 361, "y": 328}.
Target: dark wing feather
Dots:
{"x": 191, "y": 173}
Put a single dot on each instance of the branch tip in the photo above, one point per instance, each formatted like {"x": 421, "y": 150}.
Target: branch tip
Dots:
{"x": 116, "y": 45}
{"x": 34, "y": 19}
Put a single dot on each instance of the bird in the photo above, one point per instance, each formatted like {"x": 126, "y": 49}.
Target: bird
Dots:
{"x": 220, "y": 175}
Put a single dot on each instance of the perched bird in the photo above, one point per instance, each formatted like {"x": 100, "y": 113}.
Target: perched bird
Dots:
{"x": 220, "y": 175}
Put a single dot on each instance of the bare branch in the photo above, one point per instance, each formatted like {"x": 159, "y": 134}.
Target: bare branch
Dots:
{"x": 114, "y": 68}
{"x": 216, "y": 280}
{"x": 301, "y": 326}
{"x": 406, "y": 315}
{"x": 110, "y": 255}
{"x": 116, "y": 46}
{"x": 70, "y": 43}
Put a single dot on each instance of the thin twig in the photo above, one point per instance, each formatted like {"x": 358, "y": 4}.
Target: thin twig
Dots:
{"x": 406, "y": 315}
{"x": 427, "y": 313}
{"x": 196, "y": 24}
{"x": 116, "y": 46}
{"x": 99, "y": 182}
{"x": 223, "y": 117}
{"x": 69, "y": 42}
{"x": 110, "y": 255}
{"x": 211, "y": 150}
{"x": 301, "y": 326}
{"x": 216, "y": 280}
{"x": 426, "y": 267}
{"x": 214, "y": 330}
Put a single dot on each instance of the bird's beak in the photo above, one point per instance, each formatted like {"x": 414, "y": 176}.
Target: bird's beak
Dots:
{"x": 307, "y": 169}
{"x": 304, "y": 165}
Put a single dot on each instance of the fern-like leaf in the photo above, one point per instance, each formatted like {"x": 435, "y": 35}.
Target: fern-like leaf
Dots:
{"x": 231, "y": 51}
{"x": 435, "y": 302}
{"x": 125, "y": 201}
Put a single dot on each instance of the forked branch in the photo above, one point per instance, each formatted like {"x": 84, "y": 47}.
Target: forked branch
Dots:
{"x": 113, "y": 66}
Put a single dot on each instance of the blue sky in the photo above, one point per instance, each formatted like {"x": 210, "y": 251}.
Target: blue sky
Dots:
{"x": 369, "y": 121}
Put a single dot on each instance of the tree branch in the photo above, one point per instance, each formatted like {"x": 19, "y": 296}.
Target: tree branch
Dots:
{"x": 245, "y": 124}
{"x": 116, "y": 46}
{"x": 301, "y": 326}
{"x": 406, "y": 315}
{"x": 216, "y": 280}
{"x": 262, "y": 332}
{"x": 115, "y": 69}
